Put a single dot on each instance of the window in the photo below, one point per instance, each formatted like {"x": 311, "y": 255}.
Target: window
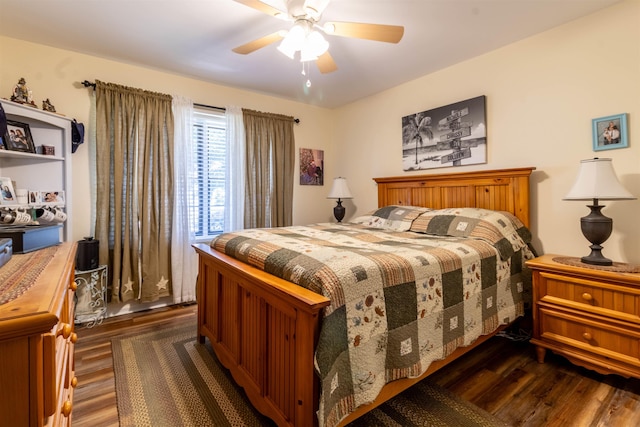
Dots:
{"x": 207, "y": 197}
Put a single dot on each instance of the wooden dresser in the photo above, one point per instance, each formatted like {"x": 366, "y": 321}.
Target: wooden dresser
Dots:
{"x": 588, "y": 315}
{"x": 36, "y": 347}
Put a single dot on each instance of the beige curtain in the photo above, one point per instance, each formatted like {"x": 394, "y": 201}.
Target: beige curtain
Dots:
{"x": 270, "y": 158}
{"x": 134, "y": 174}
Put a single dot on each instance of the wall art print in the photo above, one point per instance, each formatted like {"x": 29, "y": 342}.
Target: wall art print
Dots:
{"x": 311, "y": 167}
{"x": 453, "y": 135}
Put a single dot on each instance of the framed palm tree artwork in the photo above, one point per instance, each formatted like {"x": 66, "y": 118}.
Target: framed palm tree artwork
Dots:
{"x": 453, "y": 135}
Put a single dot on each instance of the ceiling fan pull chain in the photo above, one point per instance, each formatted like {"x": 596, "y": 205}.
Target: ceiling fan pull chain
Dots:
{"x": 305, "y": 69}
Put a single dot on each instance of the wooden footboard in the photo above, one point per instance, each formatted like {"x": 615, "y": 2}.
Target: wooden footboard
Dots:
{"x": 264, "y": 330}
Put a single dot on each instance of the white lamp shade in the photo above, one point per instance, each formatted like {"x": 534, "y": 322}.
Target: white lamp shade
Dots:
{"x": 597, "y": 180}
{"x": 340, "y": 189}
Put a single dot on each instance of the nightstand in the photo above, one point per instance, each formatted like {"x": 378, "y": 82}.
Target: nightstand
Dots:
{"x": 588, "y": 314}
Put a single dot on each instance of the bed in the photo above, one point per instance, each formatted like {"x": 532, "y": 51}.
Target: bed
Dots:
{"x": 267, "y": 330}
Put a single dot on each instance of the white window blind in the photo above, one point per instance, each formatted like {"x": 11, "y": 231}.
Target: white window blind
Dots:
{"x": 207, "y": 196}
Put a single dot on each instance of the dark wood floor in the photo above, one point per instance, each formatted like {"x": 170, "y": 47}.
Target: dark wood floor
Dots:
{"x": 501, "y": 377}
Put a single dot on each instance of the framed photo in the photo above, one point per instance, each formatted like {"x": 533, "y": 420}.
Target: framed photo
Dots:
{"x": 311, "y": 167}
{"x": 52, "y": 196}
{"x": 610, "y": 132}
{"x": 8, "y": 195}
{"x": 18, "y": 137}
{"x": 452, "y": 135}
{"x": 34, "y": 197}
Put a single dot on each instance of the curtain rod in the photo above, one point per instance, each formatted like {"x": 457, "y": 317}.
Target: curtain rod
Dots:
{"x": 296, "y": 120}
{"x": 87, "y": 83}
{"x": 195, "y": 104}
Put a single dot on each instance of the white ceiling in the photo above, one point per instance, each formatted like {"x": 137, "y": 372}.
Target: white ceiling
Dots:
{"x": 195, "y": 37}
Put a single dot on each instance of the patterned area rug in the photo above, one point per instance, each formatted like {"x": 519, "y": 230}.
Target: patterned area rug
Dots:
{"x": 166, "y": 378}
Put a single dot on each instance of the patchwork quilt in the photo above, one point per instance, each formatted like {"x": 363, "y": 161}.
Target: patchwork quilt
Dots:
{"x": 407, "y": 287}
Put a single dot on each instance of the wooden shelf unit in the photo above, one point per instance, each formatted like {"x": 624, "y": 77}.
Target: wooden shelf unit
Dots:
{"x": 38, "y": 172}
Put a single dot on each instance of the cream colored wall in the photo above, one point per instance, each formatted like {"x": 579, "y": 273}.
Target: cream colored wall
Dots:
{"x": 542, "y": 94}
{"x": 55, "y": 74}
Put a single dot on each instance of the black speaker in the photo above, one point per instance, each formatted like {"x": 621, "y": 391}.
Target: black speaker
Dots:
{"x": 87, "y": 255}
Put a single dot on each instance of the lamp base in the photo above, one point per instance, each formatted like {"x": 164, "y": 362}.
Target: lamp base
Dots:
{"x": 596, "y": 258}
{"x": 339, "y": 211}
{"x": 596, "y": 228}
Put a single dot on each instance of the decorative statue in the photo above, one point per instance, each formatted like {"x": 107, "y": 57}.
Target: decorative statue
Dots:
{"x": 22, "y": 94}
{"x": 47, "y": 106}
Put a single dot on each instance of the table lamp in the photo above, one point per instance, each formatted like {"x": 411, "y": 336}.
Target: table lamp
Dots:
{"x": 339, "y": 191}
{"x": 597, "y": 181}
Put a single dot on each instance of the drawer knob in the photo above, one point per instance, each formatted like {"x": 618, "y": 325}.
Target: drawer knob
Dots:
{"x": 66, "y": 408}
{"x": 65, "y": 331}
{"x": 74, "y": 382}
{"x": 74, "y": 337}
{"x": 73, "y": 286}
{"x": 587, "y": 296}
{"x": 587, "y": 336}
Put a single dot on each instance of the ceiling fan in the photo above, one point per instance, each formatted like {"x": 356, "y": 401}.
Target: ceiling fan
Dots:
{"x": 305, "y": 36}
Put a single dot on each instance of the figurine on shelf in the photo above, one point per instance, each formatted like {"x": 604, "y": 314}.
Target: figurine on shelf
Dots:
{"x": 22, "y": 94}
{"x": 48, "y": 106}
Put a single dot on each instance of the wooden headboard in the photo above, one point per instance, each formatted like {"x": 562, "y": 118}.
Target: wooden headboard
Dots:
{"x": 503, "y": 190}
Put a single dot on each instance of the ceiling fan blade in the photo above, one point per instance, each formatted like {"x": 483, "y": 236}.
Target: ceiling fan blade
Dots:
{"x": 264, "y": 8}
{"x": 258, "y": 43}
{"x": 377, "y": 32}
{"x": 326, "y": 63}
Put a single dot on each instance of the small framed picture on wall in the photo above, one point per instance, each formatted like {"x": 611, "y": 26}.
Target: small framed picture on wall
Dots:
{"x": 311, "y": 167}
{"x": 610, "y": 132}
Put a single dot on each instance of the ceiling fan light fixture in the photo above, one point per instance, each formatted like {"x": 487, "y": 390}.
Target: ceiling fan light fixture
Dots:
{"x": 315, "y": 45}
{"x": 293, "y": 41}
{"x": 301, "y": 37}
{"x": 287, "y": 49}
{"x": 307, "y": 55}
{"x": 306, "y": 16}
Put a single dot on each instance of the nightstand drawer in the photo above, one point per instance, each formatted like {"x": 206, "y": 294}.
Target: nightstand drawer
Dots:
{"x": 598, "y": 297}
{"x": 602, "y": 340}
